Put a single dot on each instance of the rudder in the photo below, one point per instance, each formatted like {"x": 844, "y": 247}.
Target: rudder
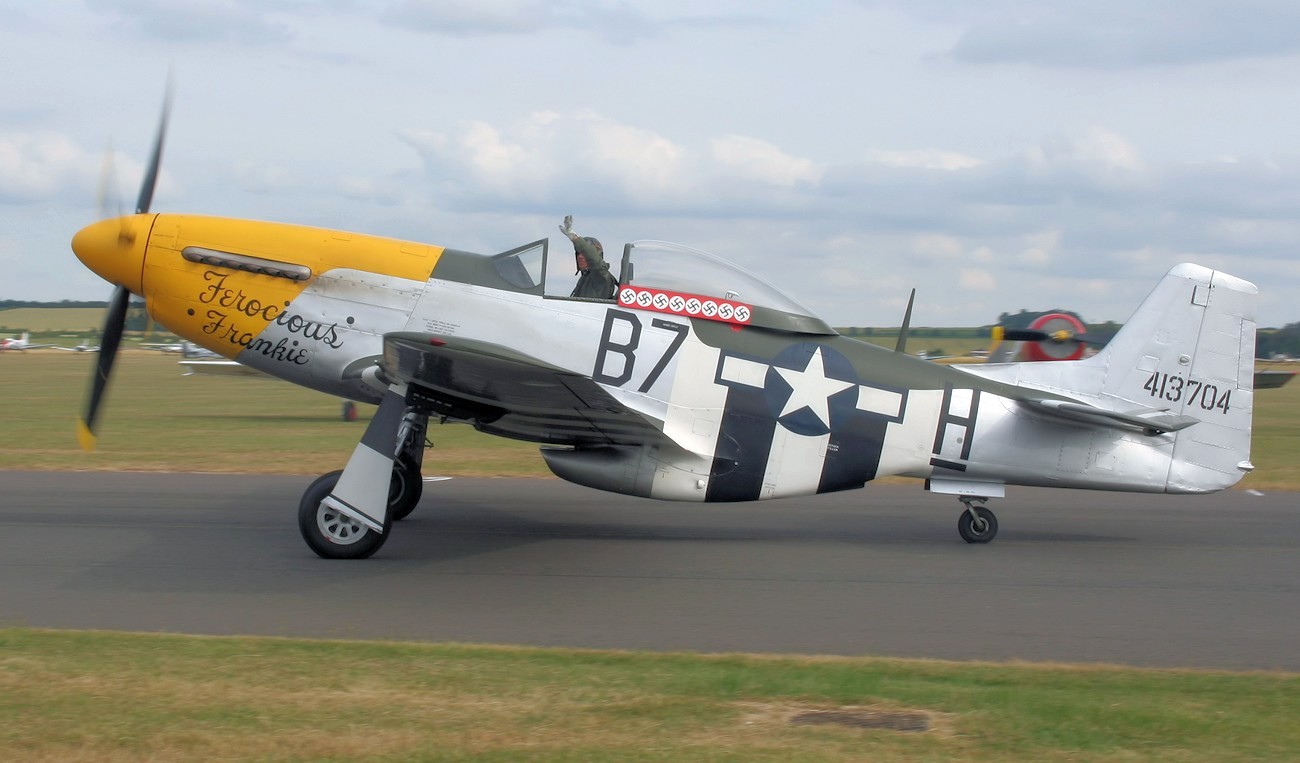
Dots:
{"x": 1190, "y": 348}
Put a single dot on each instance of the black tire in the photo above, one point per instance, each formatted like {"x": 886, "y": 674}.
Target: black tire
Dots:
{"x": 330, "y": 534}
{"x": 980, "y": 529}
{"x": 405, "y": 490}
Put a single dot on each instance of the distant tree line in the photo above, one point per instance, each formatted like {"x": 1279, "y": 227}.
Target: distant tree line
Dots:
{"x": 1022, "y": 319}
{"x": 927, "y": 331}
{"x": 1268, "y": 341}
{"x": 8, "y": 304}
{"x": 1283, "y": 341}
{"x": 136, "y": 317}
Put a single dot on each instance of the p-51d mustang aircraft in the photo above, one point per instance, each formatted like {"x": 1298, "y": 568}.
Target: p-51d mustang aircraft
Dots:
{"x": 695, "y": 381}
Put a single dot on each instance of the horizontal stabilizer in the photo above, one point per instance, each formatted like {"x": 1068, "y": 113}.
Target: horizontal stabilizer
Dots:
{"x": 1149, "y": 420}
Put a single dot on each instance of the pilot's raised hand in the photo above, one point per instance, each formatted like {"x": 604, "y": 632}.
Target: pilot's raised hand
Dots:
{"x": 567, "y": 227}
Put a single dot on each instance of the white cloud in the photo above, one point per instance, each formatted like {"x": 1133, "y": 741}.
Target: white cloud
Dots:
{"x": 977, "y": 280}
{"x": 753, "y": 159}
{"x": 936, "y": 247}
{"x": 1111, "y": 34}
{"x": 263, "y": 178}
{"x": 1040, "y": 247}
{"x": 1069, "y": 202}
{"x": 644, "y": 163}
{"x": 471, "y": 16}
{"x": 34, "y": 167}
{"x": 838, "y": 149}
{"x": 925, "y": 158}
{"x": 549, "y": 155}
{"x": 239, "y": 21}
{"x": 1095, "y": 148}
{"x": 489, "y": 156}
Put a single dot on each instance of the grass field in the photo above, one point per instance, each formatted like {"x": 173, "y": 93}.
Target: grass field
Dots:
{"x": 158, "y": 420}
{"x": 155, "y": 419}
{"x": 106, "y": 697}
{"x": 41, "y": 320}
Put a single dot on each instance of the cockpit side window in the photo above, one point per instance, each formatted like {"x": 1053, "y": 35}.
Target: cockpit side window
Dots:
{"x": 522, "y": 267}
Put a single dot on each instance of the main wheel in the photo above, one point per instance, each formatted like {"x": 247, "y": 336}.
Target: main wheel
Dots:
{"x": 981, "y": 528}
{"x": 333, "y": 535}
{"x": 405, "y": 490}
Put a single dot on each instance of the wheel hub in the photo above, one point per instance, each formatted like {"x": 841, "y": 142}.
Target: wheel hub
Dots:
{"x": 339, "y": 528}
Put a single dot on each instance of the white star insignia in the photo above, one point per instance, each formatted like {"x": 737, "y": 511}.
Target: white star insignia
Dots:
{"x": 811, "y": 388}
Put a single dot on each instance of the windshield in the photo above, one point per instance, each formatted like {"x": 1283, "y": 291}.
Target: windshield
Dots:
{"x": 678, "y": 268}
{"x": 522, "y": 267}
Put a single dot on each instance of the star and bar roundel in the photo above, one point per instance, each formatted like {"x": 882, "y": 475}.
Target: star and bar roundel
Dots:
{"x": 686, "y": 305}
{"x": 803, "y": 415}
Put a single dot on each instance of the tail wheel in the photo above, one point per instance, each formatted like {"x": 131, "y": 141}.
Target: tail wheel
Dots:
{"x": 977, "y": 525}
{"x": 331, "y": 534}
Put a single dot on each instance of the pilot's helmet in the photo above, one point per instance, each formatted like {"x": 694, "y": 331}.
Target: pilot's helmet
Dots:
{"x": 592, "y": 240}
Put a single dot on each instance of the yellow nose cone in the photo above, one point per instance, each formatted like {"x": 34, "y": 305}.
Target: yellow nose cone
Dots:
{"x": 115, "y": 249}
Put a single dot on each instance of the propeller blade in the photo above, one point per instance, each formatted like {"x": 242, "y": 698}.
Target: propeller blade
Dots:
{"x": 109, "y": 198}
{"x": 115, "y": 318}
{"x": 1025, "y": 335}
{"x": 1032, "y": 335}
{"x": 155, "y": 159}
{"x": 114, "y": 324}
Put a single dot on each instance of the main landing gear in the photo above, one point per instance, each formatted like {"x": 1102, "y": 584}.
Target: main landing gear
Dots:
{"x": 977, "y": 523}
{"x": 349, "y": 514}
{"x": 331, "y": 533}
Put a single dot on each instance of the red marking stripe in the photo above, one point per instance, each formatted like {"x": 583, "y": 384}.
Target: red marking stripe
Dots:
{"x": 687, "y": 305}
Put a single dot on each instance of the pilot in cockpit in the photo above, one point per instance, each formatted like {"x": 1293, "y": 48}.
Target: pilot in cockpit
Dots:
{"x": 594, "y": 279}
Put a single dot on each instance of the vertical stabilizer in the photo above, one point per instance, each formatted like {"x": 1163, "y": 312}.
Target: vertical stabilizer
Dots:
{"x": 1190, "y": 349}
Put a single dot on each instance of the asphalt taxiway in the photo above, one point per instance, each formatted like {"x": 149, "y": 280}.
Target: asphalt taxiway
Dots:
{"x": 1207, "y": 581}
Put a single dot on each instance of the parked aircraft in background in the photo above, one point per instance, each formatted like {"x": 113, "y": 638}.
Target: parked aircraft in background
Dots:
{"x": 1060, "y": 336}
{"x": 694, "y": 380}
{"x": 1052, "y": 336}
{"x": 163, "y": 346}
{"x": 22, "y": 342}
{"x": 202, "y": 361}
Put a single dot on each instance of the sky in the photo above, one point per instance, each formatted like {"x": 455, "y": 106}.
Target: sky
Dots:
{"x": 996, "y": 156}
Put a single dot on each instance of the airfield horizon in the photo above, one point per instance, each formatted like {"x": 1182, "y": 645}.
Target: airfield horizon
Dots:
{"x": 160, "y": 420}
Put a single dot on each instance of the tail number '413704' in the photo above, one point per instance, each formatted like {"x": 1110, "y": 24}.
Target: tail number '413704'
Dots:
{"x": 1175, "y": 388}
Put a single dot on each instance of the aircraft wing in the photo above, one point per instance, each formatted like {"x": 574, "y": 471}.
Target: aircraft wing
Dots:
{"x": 219, "y": 368}
{"x": 506, "y": 392}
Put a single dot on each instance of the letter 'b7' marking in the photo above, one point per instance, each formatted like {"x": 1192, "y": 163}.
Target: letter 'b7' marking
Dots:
{"x": 627, "y": 350}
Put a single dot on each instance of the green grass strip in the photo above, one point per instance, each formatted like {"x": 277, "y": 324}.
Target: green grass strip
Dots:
{"x": 68, "y": 695}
